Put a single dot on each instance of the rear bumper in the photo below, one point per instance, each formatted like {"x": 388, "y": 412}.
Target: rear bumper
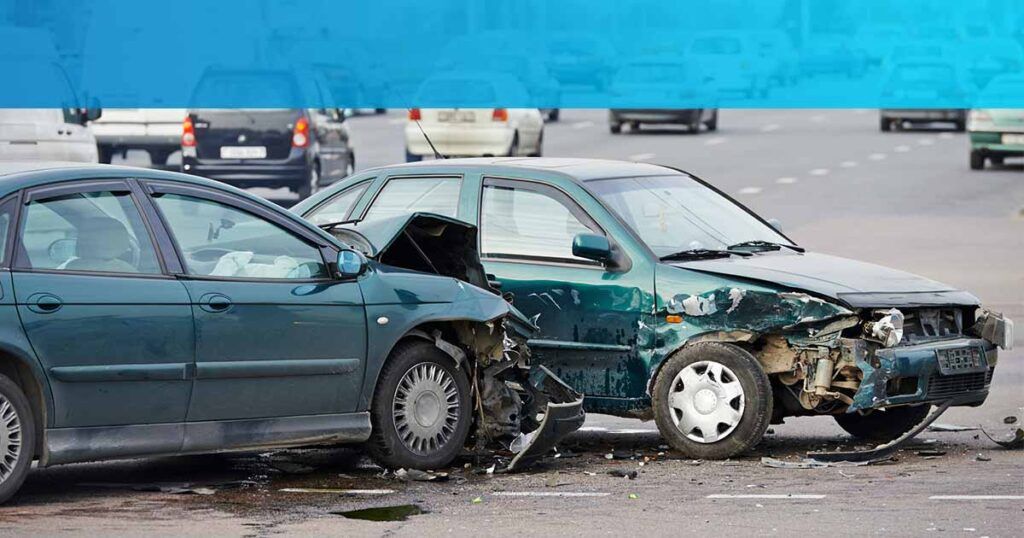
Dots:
{"x": 460, "y": 140}
{"x": 685, "y": 115}
{"x": 247, "y": 174}
{"x": 914, "y": 374}
{"x": 138, "y": 136}
{"x": 937, "y": 114}
{"x": 991, "y": 143}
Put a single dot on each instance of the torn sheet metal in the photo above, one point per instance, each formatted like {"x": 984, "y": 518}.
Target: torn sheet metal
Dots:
{"x": 752, "y": 310}
{"x": 1014, "y": 443}
{"x": 886, "y": 450}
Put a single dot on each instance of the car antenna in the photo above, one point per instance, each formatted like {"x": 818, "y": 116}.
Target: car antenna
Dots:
{"x": 437, "y": 154}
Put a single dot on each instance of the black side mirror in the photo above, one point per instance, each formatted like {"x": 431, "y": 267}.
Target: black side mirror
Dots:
{"x": 93, "y": 112}
{"x": 592, "y": 247}
{"x": 350, "y": 264}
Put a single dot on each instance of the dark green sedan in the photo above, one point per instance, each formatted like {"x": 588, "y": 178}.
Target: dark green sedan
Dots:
{"x": 154, "y": 313}
{"x": 656, "y": 295}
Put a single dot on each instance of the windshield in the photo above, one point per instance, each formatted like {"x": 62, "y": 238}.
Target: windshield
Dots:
{"x": 677, "y": 213}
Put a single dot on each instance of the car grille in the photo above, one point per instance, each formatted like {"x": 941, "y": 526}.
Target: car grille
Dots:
{"x": 943, "y": 386}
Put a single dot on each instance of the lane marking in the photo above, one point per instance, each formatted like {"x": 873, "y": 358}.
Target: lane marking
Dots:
{"x": 848, "y": 164}
{"x": 715, "y": 141}
{"x": 550, "y": 494}
{"x": 901, "y": 149}
{"x": 818, "y": 118}
{"x": 397, "y": 121}
{"x": 925, "y": 142}
{"x": 819, "y": 172}
{"x": 750, "y": 190}
{"x": 641, "y": 157}
{"x": 945, "y": 136}
{"x": 877, "y": 156}
{"x": 786, "y": 180}
{"x": 583, "y": 124}
{"x": 771, "y": 127}
{"x": 766, "y": 496}
{"x": 339, "y": 491}
{"x": 976, "y": 498}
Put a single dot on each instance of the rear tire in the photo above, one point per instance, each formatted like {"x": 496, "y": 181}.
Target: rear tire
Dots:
{"x": 553, "y": 115}
{"x": 882, "y": 425}
{"x": 540, "y": 145}
{"x": 306, "y": 189}
{"x": 679, "y": 397}
{"x": 615, "y": 128}
{"x": 513, "y": 149}
{"x": 885, "y": 125}
{"x": 960, "y": 126}
{"x": 401, "y": 392}
{"x": 712, "y": 123}
{"x": 105, "y": 154}
{"x": 977, "y": 160}
{"x": 17, "y": 436}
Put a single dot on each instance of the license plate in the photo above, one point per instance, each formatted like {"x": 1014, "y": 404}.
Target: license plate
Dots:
{"x": 243, "y": 152}
{"x": 962, "y": 360}
{"x": 1013, "y": 139}
{"x": 456, "y": 116}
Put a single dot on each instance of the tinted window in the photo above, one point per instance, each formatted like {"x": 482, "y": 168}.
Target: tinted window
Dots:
{"x": 219, "y": 240}
{"x": 403, "y": 195}
{"x": 337, "y": 208}
{"x": 526, "y": 223}
{"x": 96, "y": 231}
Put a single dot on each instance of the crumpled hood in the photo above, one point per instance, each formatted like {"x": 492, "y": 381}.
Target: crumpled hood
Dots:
{"x": 855, "y": 284}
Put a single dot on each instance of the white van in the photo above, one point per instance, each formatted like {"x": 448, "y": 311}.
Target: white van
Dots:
{"x": 45, "y": 134}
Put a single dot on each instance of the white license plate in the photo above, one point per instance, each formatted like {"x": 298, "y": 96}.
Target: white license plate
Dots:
{"x": 243, "y": 152}
{"x": 456, "y": 116}
{"x": 1013, "y": 139}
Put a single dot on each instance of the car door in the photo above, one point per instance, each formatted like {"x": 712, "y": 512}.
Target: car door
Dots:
{"x": 590, "y": 317}
{"x": 110, "y": 327}
{"x": 276, "y": 336}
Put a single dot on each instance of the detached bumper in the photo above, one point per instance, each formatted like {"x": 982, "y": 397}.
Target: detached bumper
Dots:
{"x": 959, "y": 369}
{"x": 563, "y": 415}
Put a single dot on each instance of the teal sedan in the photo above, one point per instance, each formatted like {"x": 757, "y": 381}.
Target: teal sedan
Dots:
{"x": 153, "y": 313}
{"x": 658, "y": 296}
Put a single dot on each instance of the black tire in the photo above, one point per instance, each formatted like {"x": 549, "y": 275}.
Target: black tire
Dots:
{"x": 10, "y": 392}
{"x": 977, "y": 160}
{"x": 305, "y": 190}
{"x": 615, "y": 128}
{"x": 554, "y": 114}
{"x": 380, "y": 111}
{"x": 712, "y": 123}
{"x": 960, "y": 126}
{"x": 412, "y": 157}
{"x": 885, "y": 125}
{"x": 385, "y": 445}
{"x": 997, "y": 159}
{"x": 882, "y": 425}
{"x": 105, "y": 154}
{"x": 634, "y": 127}
{"x": 757, "y": 400}
{"x": 694, "y": 125}
{"x": 540, "y": 145}
{"x": 159, "y": 158}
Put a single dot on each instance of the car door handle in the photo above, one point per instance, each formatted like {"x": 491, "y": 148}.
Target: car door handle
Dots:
{"x": 44, "y": 303}
{"x": 214, "y": 302}
{"x": 493, "y": 282}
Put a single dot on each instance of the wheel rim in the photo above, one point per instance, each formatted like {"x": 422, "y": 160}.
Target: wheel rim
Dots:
{"x": 10, "y": 438}
{"x": 426, "y": 408}
{"x": 706, "y": 401}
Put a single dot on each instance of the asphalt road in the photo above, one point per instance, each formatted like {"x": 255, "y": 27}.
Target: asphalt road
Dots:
{"x": 903, "y": 199}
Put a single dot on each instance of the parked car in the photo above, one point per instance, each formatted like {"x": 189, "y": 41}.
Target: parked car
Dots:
{"x": 157, "y": 131}
{"x": 154, "y": 313}
{"x": 731, "y": 60}
{"x": 658, "y": 296}
{"x": 663, "y": 80}
{"x": 997, "y": 133}
{"x": 916, "y": 86}
{"x": 302, "y": 149}
{"x": 581, "y": 59}
{"x": 478, "y": 129}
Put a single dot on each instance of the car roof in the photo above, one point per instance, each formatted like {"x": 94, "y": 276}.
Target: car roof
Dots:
{"x": 15, "y": 175}
{"x": 581, "y": 170}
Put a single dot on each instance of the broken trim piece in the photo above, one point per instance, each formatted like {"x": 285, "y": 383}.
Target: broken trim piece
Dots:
{"x": 882, "y": 451}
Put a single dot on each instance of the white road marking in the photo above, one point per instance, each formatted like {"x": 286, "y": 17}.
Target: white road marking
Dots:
{"x": 397, "y": 121}
{"x": 925, "y": 142}
{"x": 583, "y": 125}
{"x": 819, "y": 172}
{"x": 786, "y": 180}
{"x": 771, "y": 127}
{"x": 945, "y": 136}
{"x": 848, "y": 164}
{"x": 877, "y": 156}
{"x": 818, "y": 118}
{"x": 621, "y": 431}
{"x": 901, "y": 149}
{"x": 550, "y": 494}
{"x": 715, "y": 141}
{"x": 340, "y": 491}
{"x": 641, "y": 157}
{"x": 766, "y": 496}
{"x": 976, "y": 498}
{"x": 750, "y": 190}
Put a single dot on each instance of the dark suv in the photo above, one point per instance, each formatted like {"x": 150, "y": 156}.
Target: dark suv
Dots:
{"x": 298, "y": 148}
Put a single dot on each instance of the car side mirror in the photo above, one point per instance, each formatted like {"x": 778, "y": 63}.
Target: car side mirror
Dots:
{"x": 350, "y": 264}
{"x": 775, "y": 224}
{"x": 94, "y": 111}
{"x": 592, "y": 247}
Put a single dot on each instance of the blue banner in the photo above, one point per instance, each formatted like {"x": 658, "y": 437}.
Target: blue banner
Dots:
{"x": 527, "y": 53}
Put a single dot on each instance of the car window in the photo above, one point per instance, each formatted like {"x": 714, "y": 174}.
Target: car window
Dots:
{"x": 519, "y": 222}
{"x": 403, "y": 195}
{"x": 94, "y": 231}
{"x": 219, "y": 240}
{"x": 6, "y": 215}
{"x": 336, "y": 209}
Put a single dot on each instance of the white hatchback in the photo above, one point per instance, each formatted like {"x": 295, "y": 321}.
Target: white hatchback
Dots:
{"x": 472, "y": 131}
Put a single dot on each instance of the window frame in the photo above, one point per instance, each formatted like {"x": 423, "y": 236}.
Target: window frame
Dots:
{"x": 8, "y": 247}
{"x": 324, "y": 248}
{"x": 556, "y": 193}
{"x": 363, "y": 183}
{"x": 441, "y": 175}
{"x": 56, "y": 190}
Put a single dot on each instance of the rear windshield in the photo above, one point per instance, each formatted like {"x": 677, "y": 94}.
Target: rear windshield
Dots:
{"x": 246, "y": 88}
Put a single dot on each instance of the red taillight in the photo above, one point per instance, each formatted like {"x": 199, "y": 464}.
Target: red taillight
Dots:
{"x": 300, "y": 135}
{"x": 414, "y": 114}
{"x": 188, "y": 133}
{"x": 500, "y": 114}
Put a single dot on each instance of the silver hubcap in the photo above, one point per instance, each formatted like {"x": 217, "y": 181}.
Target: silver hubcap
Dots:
{"x": 426, "y": 408}
{"x": 10, "y": 438}
{"x": 706, "y": 401}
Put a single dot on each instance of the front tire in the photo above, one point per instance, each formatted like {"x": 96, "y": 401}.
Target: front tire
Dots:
{"x": 885, "y": 125}
{"x": 882, "y": 425}
{"x": 421, "y": 411}
{"x": 712, "y": 123}
{"x": 17, "y": 438}
{"x": 977, "y": 160}
{"x": 712, "y": 401}
{"x": 615, "y": 128}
